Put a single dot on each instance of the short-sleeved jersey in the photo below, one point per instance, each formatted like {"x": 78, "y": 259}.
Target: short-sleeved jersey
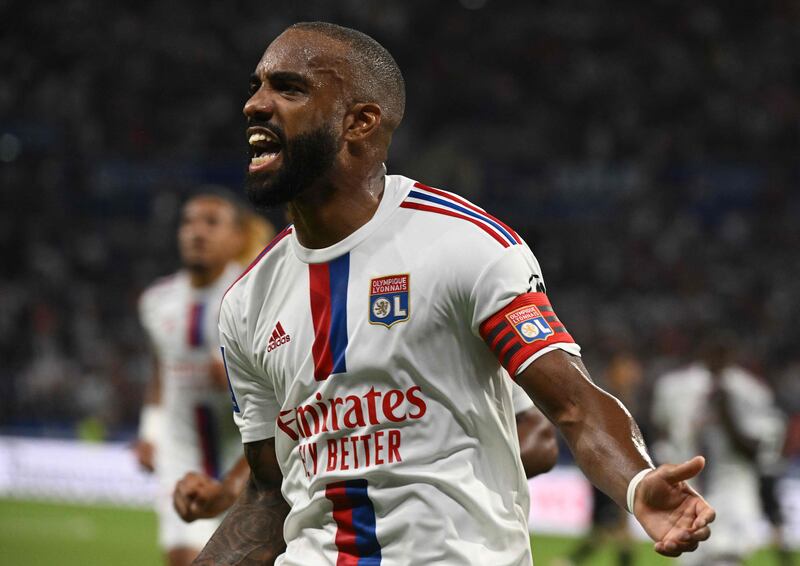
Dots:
{"x": 376, "y": 364}
{"x": 182, "y": 324}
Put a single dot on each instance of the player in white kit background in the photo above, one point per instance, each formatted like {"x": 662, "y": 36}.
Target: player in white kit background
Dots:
{"x": 722, "y": 408}
{"x": 369, "y": 348}
{"x": 186, "y": 424}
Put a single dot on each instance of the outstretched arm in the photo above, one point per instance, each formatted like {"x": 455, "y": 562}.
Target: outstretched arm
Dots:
{"x": 252, "y": 532}
{"x": 609, "y": 448}
{"x": 537, "y": 442}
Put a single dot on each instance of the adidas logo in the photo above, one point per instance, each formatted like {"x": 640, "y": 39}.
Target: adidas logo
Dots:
{"x": 278, "y": 338}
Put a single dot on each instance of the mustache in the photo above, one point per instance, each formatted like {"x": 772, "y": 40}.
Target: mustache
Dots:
{"x": 274, "y": 129}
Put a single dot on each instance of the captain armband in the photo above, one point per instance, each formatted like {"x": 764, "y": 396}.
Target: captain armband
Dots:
{"x": 522, "y": 328}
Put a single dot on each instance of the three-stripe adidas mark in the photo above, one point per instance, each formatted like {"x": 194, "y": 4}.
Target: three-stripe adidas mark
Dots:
{"x": 278, "y": 337}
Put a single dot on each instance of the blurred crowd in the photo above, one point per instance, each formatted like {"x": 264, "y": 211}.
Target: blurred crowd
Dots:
{"x": 646, "y": 152}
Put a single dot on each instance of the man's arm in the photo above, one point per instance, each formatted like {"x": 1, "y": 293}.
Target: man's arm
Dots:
{"x": 537, "y": 442}
{"x": 198, "y": 496}
{"x": 610, "y": 450}
{"x": 746, "y": 445}
{"x": 252, "y": 531}
{"x": 149, "y": 420}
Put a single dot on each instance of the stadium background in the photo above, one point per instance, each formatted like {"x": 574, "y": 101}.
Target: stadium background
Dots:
{"x": 647, "y": 152}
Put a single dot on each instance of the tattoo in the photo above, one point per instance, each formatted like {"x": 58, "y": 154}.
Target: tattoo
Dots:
{"x": 252, "y": 532}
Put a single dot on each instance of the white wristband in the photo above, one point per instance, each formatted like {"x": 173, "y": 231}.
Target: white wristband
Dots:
{"x": 631, "y": 496}
{"x": 150, "y": 423}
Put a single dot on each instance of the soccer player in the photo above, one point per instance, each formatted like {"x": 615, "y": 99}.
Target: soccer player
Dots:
{"x": 379, "y": 427}
{"x": 721, "y": 407}
{"x": 186, "y": 423}
{"x": 198, "y": 496}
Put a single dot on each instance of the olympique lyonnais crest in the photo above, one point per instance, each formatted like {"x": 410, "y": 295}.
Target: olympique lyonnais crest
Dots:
{"x": 388, "y": 300}
{"x": 530, "y": 324}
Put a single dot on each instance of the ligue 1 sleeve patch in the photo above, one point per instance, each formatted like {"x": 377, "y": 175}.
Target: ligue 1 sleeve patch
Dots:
{"x": 388, "y": 300}
{"x": 522, "y": 328}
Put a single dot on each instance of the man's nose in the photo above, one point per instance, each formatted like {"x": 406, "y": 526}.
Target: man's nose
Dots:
{"x": 260, "y": 105}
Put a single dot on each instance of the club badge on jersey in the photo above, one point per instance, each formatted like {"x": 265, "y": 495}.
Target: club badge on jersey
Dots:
{"x": 529, "y": 323}
{"x": 388, "y": 299}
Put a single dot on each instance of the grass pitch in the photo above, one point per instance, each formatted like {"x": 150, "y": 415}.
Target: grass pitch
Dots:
{"x": 48, "y": 534}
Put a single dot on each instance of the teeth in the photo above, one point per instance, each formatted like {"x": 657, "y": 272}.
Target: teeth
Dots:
{"x": 257, "y": 138}
{"x": 262, "y": 158}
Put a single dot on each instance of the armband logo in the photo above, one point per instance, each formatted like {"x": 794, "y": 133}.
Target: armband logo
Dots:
{"x": 530, "y": 324}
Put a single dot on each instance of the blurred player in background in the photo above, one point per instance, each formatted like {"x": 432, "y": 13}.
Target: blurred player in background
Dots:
{"x": 610, "y": 522}
{"x": 725, "y": 412}
{"x": 186, "y": 423}
{"x": 199, "y": 496}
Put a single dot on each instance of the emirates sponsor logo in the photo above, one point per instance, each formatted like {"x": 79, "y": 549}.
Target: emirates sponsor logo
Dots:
{"x": 351, "y": 412}
{"x": 322, "y": 429}
{"x": 278, "y": 338}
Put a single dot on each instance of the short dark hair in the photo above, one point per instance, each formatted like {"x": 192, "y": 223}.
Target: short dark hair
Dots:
{"x": 376, "y": 76}
{"x": 240, "y": 207}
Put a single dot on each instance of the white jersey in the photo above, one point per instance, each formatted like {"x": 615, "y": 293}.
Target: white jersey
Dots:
{"x": 730, "y": 480}
{"x": 198, "y": 433}
{"x": 374, "y": 364}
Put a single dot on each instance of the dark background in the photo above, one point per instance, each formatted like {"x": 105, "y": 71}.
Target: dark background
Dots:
{"x": 648, "y": 152}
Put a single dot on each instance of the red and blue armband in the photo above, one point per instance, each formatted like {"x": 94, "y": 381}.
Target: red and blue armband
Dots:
{"x": 525, "y": 326}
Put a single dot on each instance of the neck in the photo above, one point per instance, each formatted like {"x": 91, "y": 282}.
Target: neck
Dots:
{"x": 200, "y": 277}
{"x": 328, "y": 214}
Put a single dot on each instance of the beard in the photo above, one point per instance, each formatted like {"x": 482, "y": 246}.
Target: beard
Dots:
{"x": 306, "y": 159}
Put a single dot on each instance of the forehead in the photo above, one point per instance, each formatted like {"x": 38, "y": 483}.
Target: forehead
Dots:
{"x": 305, "y": 52}
{"x": 205, "y": 205}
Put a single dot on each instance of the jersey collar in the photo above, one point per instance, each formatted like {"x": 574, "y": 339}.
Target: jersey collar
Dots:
{"x": 393, "y": 194}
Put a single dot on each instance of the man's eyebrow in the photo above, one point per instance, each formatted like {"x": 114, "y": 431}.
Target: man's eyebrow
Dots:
{"x": 288, "y": 76}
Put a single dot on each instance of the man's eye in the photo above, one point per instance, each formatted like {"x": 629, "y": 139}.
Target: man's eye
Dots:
{"x": 253, "y": 88}
{"x": 288, "y": 89}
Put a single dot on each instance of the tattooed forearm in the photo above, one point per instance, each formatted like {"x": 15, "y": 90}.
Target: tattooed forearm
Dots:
{"x": 251, "y": 533}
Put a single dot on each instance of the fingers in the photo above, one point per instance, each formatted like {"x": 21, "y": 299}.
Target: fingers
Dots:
{"x": 181, "y": 504}
{"x": 705, "y": 517}
{"x": 687, "y": 470}
{"x": 674, "y": 549}
{"x": 701, "y": 534}
{"x": 186, "y": 495}
{"x": 682, "y": 541}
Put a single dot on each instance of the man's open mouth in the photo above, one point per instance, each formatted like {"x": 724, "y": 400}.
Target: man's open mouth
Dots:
{"x": 265, "y": 148}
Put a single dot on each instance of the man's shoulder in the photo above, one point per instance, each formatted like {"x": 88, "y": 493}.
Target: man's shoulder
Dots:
{"x": 746, "y": 383}
{"x": 162, "y": 288}
{"x": 241, "y": 287}
{"x": 446, "y": 217}
{"x": 682, "y": 377}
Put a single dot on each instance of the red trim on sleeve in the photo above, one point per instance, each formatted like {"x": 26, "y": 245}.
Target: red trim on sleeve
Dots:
{"x": 446, "y": 212}
{"x": 470, "y": 206}
{"x": 522, "y": 328}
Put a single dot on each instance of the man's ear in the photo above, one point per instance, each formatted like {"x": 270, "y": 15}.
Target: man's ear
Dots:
{"x": 362, "y": 121}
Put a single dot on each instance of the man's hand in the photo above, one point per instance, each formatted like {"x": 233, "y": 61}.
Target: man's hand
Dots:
{"x": 145, "y": 454}
{"x": 671, "y": 512}
{"x": 198, "y": 496}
